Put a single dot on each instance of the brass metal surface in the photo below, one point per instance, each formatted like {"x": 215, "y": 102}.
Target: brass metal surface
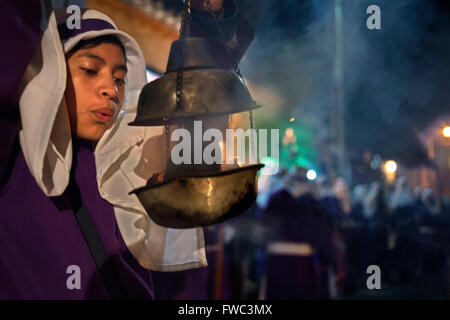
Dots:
{"x": 195, "y": 201}
{"x": 207, "y": 90}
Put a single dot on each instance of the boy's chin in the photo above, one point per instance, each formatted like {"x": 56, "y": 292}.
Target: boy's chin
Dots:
{"x": 90, "y": 136}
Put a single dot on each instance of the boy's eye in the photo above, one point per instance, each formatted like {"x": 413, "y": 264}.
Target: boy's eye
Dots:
{"x": 88, "y": 71}
{"x": 120, "y": 81}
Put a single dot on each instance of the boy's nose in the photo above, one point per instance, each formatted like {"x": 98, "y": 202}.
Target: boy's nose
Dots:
{"x": 109, "y": 89}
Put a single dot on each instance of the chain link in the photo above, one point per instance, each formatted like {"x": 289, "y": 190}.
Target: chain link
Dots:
{"x": 179, "y": 89}
{"x": 238, "y": 71}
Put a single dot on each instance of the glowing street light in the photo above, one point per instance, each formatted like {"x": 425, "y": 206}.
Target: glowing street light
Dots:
{"x": 390, "y": 166}
{"x": 446, "y": 132}
{"x": 311, "y": 174}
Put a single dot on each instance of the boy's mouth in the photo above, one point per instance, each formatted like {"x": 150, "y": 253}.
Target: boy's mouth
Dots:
{"x": 104, "y": 115}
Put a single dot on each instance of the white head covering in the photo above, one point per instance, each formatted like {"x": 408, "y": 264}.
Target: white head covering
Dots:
{"x": 125, "y": 156}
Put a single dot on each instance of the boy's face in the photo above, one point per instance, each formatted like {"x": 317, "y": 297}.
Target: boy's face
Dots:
{"x": 95, "y": 89}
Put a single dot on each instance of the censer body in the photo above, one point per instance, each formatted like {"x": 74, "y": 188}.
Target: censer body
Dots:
{"x": 193, "y": 201}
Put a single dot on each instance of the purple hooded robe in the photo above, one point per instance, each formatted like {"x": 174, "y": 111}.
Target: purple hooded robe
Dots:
{"x": 39, "y": 235}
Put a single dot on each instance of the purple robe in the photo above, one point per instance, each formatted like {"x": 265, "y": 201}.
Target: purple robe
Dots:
{"x": 200, "y": 283}
{"x": 41, "y": 238}
{"x": 39, "y": 235}
{"x": 297, "y": 221}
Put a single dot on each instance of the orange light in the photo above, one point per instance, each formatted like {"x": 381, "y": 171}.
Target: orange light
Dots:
{"x": 292, "y": 119}
{"x": 446, "y": 132}
{"x": 289, "y": 132}
{"x": 390, "y": 166}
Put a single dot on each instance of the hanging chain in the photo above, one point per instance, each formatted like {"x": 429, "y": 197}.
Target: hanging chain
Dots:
{"x": 252, "y": 134}
{"x": 185, "y": 20}
{"x": 236, "y": 70}
{"x": 179, "y": 86}
{"x": 184, "y": 33}
{"x": 167, "y": 135}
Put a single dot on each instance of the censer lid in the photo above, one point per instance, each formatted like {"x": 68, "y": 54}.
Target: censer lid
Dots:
{"x": 190, "y": 53}
{"x": 207, "y": 90}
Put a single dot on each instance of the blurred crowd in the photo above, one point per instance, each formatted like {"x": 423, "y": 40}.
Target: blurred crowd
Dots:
{"x": 315, "y": 240}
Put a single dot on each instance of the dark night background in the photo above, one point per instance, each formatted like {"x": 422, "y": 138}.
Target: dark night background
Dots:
{"x": 395, "y": 79}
